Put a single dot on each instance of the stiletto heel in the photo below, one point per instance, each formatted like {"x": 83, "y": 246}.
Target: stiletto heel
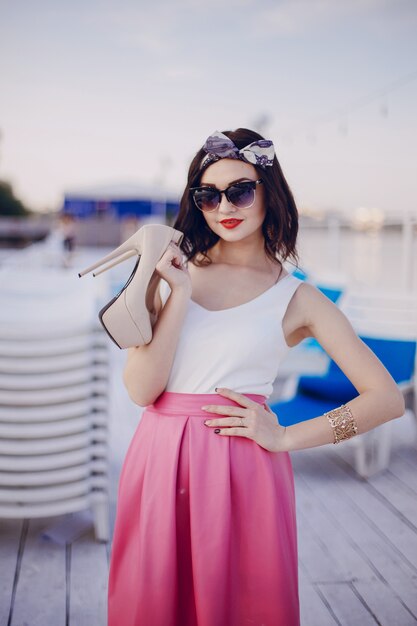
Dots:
{"x": 120, "y": 252}
{"x": 121, "y": 258}
{"x": 128, "y": 318}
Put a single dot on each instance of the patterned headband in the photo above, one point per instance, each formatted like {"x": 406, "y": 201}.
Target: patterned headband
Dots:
{"x": 219, "y": 146}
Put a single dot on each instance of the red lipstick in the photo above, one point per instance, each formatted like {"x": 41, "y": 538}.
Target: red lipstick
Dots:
{"x": 230, "y": 223}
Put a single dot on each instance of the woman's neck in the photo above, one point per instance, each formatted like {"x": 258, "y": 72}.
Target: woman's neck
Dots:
{"x": 245, "y": 253}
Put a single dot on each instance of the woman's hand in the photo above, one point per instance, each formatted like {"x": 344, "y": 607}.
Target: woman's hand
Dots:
{"x": 251, "y": 419}
{"x": 171, "y": 268}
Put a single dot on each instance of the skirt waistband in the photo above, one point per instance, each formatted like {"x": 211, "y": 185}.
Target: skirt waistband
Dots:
{"x": 180, "y": 403}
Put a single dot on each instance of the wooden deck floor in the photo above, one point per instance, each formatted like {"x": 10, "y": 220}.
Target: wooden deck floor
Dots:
{"x": 357, "y": 538}
{"x": 357, "y": 542}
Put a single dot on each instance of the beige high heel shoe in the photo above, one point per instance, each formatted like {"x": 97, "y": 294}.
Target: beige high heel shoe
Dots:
{"x": 128, "y": 318}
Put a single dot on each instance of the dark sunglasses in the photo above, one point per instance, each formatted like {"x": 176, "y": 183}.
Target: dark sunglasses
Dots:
{"x": 241, "y": 195}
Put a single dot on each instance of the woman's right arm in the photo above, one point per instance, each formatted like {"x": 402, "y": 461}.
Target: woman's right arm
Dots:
{"x": 148, "y": 367}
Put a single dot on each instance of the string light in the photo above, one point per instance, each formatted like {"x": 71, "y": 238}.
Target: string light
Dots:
{"x": 342, "y": 114}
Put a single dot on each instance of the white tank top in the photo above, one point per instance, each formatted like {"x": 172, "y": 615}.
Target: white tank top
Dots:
{"x": 240, "y": 347}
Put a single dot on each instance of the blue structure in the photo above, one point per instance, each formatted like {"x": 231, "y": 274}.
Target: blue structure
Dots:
{"x": 120, "y": 202}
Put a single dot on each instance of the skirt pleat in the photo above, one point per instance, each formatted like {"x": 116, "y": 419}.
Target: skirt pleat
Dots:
{"x": 205, "y": 531}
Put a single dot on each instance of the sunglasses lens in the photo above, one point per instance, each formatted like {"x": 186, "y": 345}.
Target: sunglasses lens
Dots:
{"x": 241, "y": 196}
{"x": 206, "y": 199}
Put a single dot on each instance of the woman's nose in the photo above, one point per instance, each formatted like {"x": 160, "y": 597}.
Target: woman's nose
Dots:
{"x": 225, "y": 206}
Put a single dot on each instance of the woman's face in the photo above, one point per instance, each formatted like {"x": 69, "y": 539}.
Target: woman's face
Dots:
{"x": 221, "y": 175}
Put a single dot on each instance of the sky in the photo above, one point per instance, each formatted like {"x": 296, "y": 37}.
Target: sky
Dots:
{"x": 97, "y": 93}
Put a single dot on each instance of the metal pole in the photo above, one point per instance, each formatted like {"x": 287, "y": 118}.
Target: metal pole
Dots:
{"x": 333, "y": 225}
{"x": 407, "y": 246}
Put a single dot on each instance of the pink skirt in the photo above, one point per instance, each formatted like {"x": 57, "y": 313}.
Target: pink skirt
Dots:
{"x": 205, "y": 531}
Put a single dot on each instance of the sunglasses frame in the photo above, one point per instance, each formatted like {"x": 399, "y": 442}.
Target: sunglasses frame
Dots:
{"x": 252, "y": 183}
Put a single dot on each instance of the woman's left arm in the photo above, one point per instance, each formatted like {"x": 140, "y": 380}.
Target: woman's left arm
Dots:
{"x": 379, "y": 399}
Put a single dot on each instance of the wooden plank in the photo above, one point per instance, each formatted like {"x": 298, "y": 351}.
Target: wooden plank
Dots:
{"x": 41, "y": 589}
{"x": 404, "y": 471}
{"x": 11, "y": 535}
{"x": 351, "y": 562}
{"x": 396, "y": 496}
{"x": 376, "y": 548}
{"x": 88, "y": 582}
{"x": 313, "y": 609}
{"x": 383, "y": 603}
{"x": 378, "y": 515}
{"x": 347, "y": 606}
{"x": 397, "y": 502}
{"x": 320, "y": 564}
{"x": 409, "y": 453}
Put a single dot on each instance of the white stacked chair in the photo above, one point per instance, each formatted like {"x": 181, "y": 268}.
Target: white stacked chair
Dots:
{"x": 54, "y": 368}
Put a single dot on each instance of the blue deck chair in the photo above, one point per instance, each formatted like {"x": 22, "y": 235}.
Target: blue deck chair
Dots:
{"x": 333, "y": 293}
{"x": 300, "y": 273}
{"x": 316, "y": 395}
{"x": 334, "y": 388}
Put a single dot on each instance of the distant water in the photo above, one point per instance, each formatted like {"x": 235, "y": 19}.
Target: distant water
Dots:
{"x": 374, "y": 260}
{"x": 368, "y": 259}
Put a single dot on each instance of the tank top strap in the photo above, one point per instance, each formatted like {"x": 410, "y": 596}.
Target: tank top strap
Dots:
{"x": 285, "y": 291}
{"x": 290, "y": 284}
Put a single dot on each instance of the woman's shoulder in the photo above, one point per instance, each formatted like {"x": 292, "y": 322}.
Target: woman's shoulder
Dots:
{"x": 301, "y": 305}
{"x": 308, "y": 305}
{"x": 305, "y": 293}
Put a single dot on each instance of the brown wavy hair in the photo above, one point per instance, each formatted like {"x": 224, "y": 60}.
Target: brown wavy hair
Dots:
{"x": 280, "y": 226}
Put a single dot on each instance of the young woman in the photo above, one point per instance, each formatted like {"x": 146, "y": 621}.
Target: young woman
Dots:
{"x": 205, "y": 531}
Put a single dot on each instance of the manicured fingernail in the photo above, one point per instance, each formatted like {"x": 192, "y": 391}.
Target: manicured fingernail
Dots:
{"x": 217, "y": 430}
{"x": 215, "y": 389}
{"x": 206, "y": 423}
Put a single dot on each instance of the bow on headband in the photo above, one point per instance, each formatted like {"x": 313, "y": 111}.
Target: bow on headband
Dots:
{"x": 219, "y": 146}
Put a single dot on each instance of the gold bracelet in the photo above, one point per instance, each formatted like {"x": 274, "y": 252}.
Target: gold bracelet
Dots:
{"x": 342, "y": 422}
